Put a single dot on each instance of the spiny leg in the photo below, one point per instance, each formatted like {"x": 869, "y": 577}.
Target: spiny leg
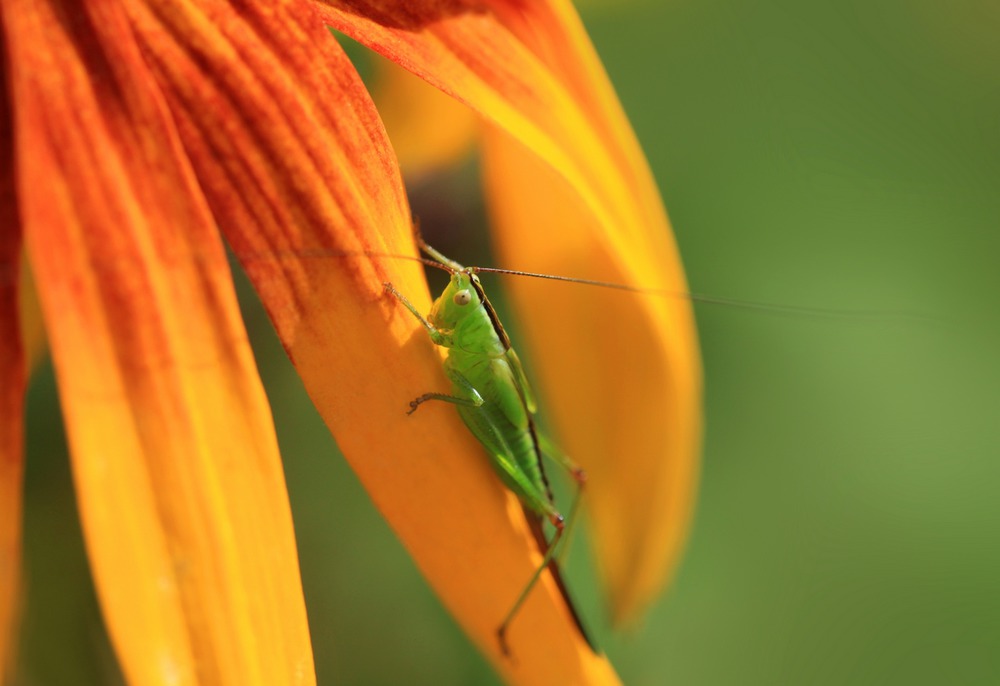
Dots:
{"x": 552, "y": 451}
{"x": 435, "y": 334}
{"x": 562, "y": 525}
{"x": 454, "y": 399}
{"x": 432, "y": 252}
{"x": 472, "y": 398}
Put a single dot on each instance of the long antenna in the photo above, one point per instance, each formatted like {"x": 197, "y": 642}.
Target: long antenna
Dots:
{"x": 827, "y": 313}
{"x": 772, "y": 308}
{"x": 322, "y": 253}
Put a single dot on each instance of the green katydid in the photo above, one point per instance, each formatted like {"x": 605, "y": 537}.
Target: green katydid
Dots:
{"x": 495, "y": 400}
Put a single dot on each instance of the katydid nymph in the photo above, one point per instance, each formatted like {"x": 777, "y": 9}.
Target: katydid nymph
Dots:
{"x": 495, "y": 400}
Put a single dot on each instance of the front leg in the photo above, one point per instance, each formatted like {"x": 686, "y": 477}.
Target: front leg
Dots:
{"x": 438, "y": 337}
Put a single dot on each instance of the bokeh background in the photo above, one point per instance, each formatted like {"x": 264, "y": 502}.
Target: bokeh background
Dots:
{"x": 830, "y": 154}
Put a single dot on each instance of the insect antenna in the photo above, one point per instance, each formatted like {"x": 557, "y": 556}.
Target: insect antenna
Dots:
{"x": 427, "y": 262}
{"x": 322, "y": 253}
{"x": 773, "y": 308}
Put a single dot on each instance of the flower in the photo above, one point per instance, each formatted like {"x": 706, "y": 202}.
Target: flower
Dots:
{"x": 138, "y": 130}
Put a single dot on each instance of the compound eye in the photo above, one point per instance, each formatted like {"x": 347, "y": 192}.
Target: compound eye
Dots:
{"x": 462, "y": 298}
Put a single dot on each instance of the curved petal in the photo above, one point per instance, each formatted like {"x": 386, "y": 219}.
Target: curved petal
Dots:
{"x": 590, "y": 210}
{"x": 30, "y": 318}
{"x": 429, "y": 130}
{"x": 12, "y": 386}
{"x": 178, "y": 477}
{"x": 294, "y": 161}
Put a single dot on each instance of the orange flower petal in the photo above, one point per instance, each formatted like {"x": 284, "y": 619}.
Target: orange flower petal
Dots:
{"x": 428, "y": 129}
{"x": 618, "y": 372}
{"x": 12, "y": 384}
{"x": 529, "y": 68}
{"x": 307, "y": 172}
{"x": 30, "y": 316}
{"x": 178, "y": 477}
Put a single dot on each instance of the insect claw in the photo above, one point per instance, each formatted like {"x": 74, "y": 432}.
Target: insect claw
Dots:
{"x": 502, "y": 637}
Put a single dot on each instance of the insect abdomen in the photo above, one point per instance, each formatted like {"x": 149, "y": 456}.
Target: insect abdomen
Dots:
{"x": 503, "y": 425}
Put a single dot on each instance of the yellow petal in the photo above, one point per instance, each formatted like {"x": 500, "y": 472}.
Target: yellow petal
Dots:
{"x": 530, "y": 69}
{"x": 617, "y": 371}
{"x": 429, "y": 130}
{"x": 178, "y": 477}
{"x": 30, "y": 317}
{"x": 305, "y": 173}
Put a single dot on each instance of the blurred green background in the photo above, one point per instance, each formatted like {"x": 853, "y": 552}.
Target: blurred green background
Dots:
{"x": 841, "y": 154}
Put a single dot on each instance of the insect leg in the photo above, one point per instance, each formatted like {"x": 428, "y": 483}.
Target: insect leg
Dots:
{"x": 552, "y": 451}
{"x": 470, "y": 396}
{"x": 563, "y": 527}
{"x": 454, "y": 399}
{"x": 431, "y": 252}
{"x": 561, "y": 530}
{"x": 437, "y": 336}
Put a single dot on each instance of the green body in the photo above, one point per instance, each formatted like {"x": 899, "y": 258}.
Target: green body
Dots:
{"x": 484, "y": 370}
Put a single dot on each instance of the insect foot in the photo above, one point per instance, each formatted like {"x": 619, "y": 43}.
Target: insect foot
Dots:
{"x": 558, "y": 521}
{"x": 502, "y": 637}
{"x": 416, "y": 402}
